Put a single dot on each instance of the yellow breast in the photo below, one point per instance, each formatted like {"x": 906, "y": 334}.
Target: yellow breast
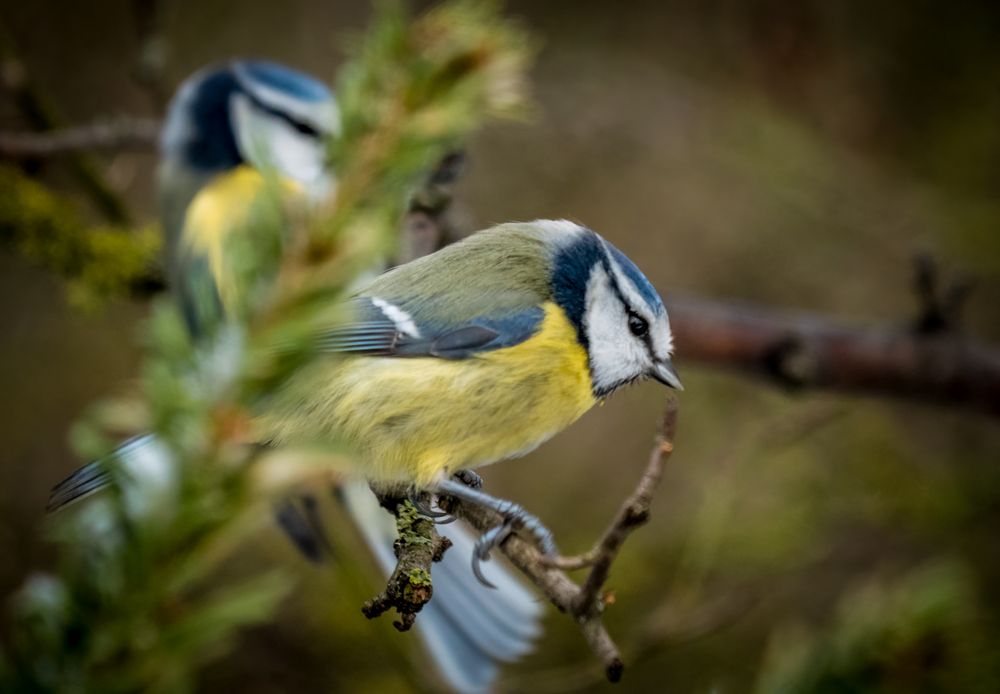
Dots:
{"x": 411, "y": 419}
{"x": 229, "y": 203}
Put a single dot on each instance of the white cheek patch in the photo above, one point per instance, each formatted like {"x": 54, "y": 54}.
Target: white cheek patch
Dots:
{"x": 266, "y": 141}
{"x": 616, "y": 356}
{"x": 403, "y": 320}
{"x": 322, "y": 115}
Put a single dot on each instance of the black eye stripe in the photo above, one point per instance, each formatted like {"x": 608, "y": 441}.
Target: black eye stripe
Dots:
{"x": 633, "y": 316}
{"x": 298, "y": 125}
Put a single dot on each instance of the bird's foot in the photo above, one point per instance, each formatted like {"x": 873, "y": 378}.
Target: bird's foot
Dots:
{"x": 469, "y": 478}
{"x": 436, "y": 516}
{"x": 515, "y": 517}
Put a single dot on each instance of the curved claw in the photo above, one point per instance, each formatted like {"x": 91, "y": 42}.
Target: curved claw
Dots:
{"x": 478, "y": 572}
{"x": 490, "y": 539}
{"x": 427, "y": 511}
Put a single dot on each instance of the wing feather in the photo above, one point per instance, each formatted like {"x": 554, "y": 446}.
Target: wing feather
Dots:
{"x": 379, "y": 331}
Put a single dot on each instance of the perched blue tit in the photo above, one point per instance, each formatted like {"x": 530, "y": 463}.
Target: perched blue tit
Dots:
{"x": 478, "y": 353}
{"x": 474, "y": 354}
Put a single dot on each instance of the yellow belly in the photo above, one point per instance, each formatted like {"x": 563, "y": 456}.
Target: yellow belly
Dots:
{"x": 409, "y": 420}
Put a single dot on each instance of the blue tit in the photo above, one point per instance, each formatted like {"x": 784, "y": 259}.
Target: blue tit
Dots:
{"x": 478, "y": 353}
{"x": 227, "y": 129}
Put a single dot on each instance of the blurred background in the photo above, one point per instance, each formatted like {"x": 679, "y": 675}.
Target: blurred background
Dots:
{"x": 795, "y": 155}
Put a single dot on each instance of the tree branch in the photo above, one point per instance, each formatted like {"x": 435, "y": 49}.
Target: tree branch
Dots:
{"x": 41, "y": 115}
{"x": 115, "y": 134}
{"x": 417, "y": 546}
{"x": 808, "y": 351}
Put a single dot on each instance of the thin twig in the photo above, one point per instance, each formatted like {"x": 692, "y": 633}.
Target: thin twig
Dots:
{"x": 634, "y": 512}
{"x": 151, "y": 63}
{"x": 585, "y": 603}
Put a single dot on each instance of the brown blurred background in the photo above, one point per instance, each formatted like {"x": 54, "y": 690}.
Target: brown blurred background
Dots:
{"x": 790, "y": 154}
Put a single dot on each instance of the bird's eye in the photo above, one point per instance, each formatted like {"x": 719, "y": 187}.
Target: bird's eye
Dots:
{"x": 637, "y": 324}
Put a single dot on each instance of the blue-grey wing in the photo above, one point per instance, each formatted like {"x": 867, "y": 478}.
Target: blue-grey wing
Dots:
{"x": 379, "y": 328}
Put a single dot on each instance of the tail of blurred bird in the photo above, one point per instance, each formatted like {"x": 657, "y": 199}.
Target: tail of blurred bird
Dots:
{"x": 467, "y": 628}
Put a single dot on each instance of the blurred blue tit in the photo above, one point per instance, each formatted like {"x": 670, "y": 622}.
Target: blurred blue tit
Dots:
{"x": 230, "y": 132}
{"x": 474, "y": 354}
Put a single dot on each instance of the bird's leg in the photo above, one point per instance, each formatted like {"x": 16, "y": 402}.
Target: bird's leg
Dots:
{"x": 514, "y": 517}
{"x": 466, "y": 477}
{"x": 424, "y": 507}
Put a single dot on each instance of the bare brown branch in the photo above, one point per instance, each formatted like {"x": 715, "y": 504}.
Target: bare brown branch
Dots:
{"x": 426, "y": 227}
{"x": 117, "y": 134}
{"x": 809, "y": 351}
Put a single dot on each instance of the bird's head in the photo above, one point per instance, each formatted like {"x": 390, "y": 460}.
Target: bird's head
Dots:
{"x": 251, "y": 112}
{"x": 619, "y": 317}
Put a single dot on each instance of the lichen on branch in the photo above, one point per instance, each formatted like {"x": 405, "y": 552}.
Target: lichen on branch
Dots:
{"x": 98, "y": 262}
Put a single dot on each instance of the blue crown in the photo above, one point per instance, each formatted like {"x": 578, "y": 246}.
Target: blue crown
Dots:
{"x": 279, "y": 77}
{"x": 198, "y": 125}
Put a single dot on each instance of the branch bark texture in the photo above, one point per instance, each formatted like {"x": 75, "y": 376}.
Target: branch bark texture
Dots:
{"x": 808, "y": 351}
{"x": 417, "y": 546}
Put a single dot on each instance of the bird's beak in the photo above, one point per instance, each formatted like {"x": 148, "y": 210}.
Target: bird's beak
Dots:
{"x": 664, "y": 372}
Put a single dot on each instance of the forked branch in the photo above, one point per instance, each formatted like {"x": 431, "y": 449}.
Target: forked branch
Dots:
{"x": 585, "y": 602}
